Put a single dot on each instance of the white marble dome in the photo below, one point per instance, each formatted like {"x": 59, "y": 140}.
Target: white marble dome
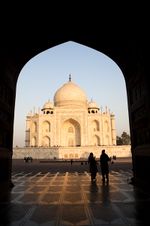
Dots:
{"x": 70, "y": 94}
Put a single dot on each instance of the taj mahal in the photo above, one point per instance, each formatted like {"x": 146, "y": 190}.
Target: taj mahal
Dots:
{"x": 70, "y": 126}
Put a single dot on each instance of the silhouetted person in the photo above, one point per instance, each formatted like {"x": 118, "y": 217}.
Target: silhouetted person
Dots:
{"x": 92, "y": 166}
{"x": 104, "y": 159}
{"x": 71, "y": 161}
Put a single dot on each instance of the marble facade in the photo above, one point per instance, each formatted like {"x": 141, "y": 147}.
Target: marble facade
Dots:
{"x": 70, "y": 127}
{"x": 70, "y": 121}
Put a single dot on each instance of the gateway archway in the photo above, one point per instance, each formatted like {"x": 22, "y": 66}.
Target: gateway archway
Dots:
{"x": 130, "y": 58}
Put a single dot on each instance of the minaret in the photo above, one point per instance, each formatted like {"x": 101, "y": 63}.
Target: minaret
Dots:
{"x": 27, "y": 132}
{"x": 113, "y": 129}
{"x": 69, "y": 77}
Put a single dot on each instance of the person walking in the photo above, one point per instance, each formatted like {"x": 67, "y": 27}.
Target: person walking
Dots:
{"x": 71, "y": 161}
{"x": 104, "y": 159}
{"x": 92, "y": 167}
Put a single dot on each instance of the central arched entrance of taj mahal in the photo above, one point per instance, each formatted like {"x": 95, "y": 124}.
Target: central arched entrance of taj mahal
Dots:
{"x": 70, "y": 133}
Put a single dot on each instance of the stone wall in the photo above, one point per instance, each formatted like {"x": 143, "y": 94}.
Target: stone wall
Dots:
{"x": 71, "y": 152}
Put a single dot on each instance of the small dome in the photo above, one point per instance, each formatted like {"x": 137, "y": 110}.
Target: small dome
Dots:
{"x": 93, "y": 104}
{"x": 48, "y": 105}
{"x": 70, "y": 94}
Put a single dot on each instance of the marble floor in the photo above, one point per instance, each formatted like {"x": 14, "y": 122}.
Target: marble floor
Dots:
{"x": 69, "y": 199}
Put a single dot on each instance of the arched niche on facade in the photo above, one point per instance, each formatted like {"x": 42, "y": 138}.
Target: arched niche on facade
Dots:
{"x": 96, "y": 140}
{"x": 95, "y": 125}
{"x": 46, "y": 126}
{"x": 46, "y": 142}
{"x": 70, "y": 133}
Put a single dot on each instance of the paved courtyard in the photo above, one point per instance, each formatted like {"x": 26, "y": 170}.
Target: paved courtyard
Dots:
{"x": 62, "y": 194}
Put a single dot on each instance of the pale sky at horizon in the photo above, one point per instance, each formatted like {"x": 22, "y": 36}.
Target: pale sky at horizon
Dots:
{"x": 94, "y": 72}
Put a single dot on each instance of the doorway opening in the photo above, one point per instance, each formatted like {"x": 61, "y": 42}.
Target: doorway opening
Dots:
{"x": 104, "y": 90}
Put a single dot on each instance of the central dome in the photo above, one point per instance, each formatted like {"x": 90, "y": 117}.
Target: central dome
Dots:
{"x": 70, "y": 94}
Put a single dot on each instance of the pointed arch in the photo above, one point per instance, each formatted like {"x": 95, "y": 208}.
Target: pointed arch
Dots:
{"x": 33, "y": 141}
{"x": 107, "y": 140}
{"x": 46, "y": 142}
{"x": 106, "y": 125}
{"x": 66, "y": 156}
{"x": 70, "y": 133}
{"x": 34, "y": 127}
{"x": 71, "y": 155}
{"x": 96, "y": 140}
{"x": 46, "y": 127}
{"x": 95, "y": 125}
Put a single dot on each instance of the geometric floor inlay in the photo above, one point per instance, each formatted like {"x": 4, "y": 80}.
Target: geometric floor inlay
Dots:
{"x": 68, "y": 199}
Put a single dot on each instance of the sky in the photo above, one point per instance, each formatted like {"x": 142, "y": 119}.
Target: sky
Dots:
{"x": 94, "y": 72}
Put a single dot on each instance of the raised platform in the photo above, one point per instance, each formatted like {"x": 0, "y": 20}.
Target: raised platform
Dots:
{"x": 71, "y": 152}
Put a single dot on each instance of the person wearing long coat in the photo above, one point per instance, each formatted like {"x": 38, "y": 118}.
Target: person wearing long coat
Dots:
{"x": 92, "y": 166}
{"x": 104, "y": 159}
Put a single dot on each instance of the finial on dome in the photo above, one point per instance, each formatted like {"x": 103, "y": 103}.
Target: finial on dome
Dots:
{"x": 69, "y": 77}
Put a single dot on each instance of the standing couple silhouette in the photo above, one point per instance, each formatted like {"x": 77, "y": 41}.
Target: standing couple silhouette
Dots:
{"x": 104, "y": 159}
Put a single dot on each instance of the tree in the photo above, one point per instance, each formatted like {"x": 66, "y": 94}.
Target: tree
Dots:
{"x": 124, "y": 139}
{"x": 119, "y": 140}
